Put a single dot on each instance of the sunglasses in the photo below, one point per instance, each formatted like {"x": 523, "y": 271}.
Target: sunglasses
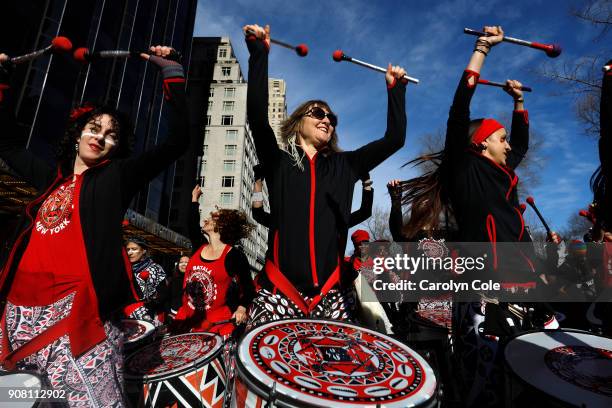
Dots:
{"x": 320, "y": 114}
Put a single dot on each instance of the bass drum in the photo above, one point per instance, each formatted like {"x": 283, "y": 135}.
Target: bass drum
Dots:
{"x": 319, "y": 363}
{"x": 559, "y": 368}
{"x": 187, "y": 370}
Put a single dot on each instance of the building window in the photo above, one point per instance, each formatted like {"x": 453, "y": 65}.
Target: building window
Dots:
{"x": 226, "y": 71}
{"x": 229, "y": 165}
{"x": 230, "y": 150}
{"x": 222, "y": 52}
{"x": 203, "y": 181}
{"x": 210, "y": 104}
{"x": 205, "y": 150}
{"x": 231, "y": 134}
{"x": 227, "y": 181}
{"x": 230, "y": 92}
{"x": 227, "y": 120}
{"x": 211, "y": 92}
{"x": 206, "y": 133}
{"x": 208, "y": 120}
{"x": 227, "y": 198}
{"x": 228, "y": 105}
{"x": 204, "y": 165}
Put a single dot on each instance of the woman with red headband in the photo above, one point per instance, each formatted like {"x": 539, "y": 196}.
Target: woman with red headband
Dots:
{"x": 310, "y": 184}
{"x": 67, "y": 277}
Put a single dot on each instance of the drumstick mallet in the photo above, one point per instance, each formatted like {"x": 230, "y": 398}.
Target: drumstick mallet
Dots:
{"x": 58, "y": 45}
{"x": 531, "y": 202}
{"x": 502, "y": 85}
{"x": 552, "y": 50}
{"x": 84, "y": 55}
{"x": 300, "y": 49}
{"x": 339, "y": 56}
{"x": 522, "y": 208}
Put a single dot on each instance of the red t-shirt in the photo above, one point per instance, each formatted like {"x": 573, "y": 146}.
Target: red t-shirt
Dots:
{"x": 54, "y": 262}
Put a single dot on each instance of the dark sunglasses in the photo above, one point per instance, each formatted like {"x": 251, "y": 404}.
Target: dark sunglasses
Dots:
{"x": 320, "y": 114}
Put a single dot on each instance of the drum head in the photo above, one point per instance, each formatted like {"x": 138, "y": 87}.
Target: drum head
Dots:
{"x": 18, "y": 381}
{"x": 135, "y": 330}
{"x": 571, "y": 366}
{"x": 172, "y": 356}
{"x": 332, "y": 364}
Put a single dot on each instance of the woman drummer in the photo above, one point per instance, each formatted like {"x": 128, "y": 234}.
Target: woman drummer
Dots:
{"x": 310, "y": 184}
{"x": 67, "y": 279}
{"x": 218, "y": 284}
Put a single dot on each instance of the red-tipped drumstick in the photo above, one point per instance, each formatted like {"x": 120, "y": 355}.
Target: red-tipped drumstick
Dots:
{"x": 531, "y": 202}
{"x": 522, "y": 207}
{"x": 501, "y": 85}
{"x": 338, "y": 56}
{"x": 552, "y": 50}
{"x": 85, "y": 55}
{"x": 588, "y": 215}
{"x": 300, "y": 49}
{"x": 58, "y": 44}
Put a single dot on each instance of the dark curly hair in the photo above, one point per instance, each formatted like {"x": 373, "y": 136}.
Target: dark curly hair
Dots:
{"x": 232, "y": 225}
{"x": 65, "y": 151}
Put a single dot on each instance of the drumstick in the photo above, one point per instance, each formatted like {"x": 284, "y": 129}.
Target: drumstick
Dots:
{"x": 499, "y": 84}
{"x": 338, "y": 56}
{"x": 300, "y": 49}
{"x": 552, "y": 50}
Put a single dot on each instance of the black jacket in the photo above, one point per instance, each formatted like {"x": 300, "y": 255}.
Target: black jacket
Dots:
{"x": 106, "y": 192}
{"x": 483, "y": 194}
{"x": 311, "y": 216}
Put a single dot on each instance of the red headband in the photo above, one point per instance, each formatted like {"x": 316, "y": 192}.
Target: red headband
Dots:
{"x": 486, "y": 129}
{"x": 80, "y": 111}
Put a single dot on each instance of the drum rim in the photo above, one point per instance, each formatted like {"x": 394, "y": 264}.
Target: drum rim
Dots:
{"x": 147, "y": 333}
{"x": 262, "y": 389}
{"x": 522, "y": 381}
{"x": 196, "y": 364}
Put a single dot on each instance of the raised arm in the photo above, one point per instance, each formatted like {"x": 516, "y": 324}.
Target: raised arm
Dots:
{"x": 138, "y": 170}
{"x": 605, "y": 145}
{"x": 457, "y": 127}
{"x": 396, "y": 221}
{"x": 258, "y": 43}
{"x": 519, "y": 134}
{"x": 367, "y": 200}
{"x": 194, "y": 229}
{"x": 367, "y": 157}
{"x": 32, "y": 169}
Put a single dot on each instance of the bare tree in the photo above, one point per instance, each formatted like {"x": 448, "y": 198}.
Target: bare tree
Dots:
{"x": 583, "y": 76}
{"x": 378, "y": 224}
{"x": 576, "y": 227}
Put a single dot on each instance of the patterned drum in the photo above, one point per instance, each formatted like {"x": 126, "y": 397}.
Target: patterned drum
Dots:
{"x": 22, "y": 390}
{"x": 319, "y": 363}
{"x": 136, "y": 333}
{"x": 559, "y": 368}
{"x": 186, "y": 370}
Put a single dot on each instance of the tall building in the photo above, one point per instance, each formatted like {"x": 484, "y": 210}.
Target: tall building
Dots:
{"x": 228, "y": 154}
{"x": 45, "y": 90}
{"x": 277, "y": 108}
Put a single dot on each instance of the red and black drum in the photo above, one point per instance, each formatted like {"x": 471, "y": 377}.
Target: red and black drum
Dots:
{"x": 319, "y": 363}
{"x": 137, "y": 333}
{"x": 559, "y": 368}
{"x": 186, "y": 370}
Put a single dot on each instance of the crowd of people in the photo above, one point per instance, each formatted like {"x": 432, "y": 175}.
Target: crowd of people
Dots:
{"x": 71, "y": 277}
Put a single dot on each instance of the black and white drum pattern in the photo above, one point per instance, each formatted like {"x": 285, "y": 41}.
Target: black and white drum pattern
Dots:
{"x": 329, "y": 364}
{"x": 570, "y": 366}
{"x": 187, "y": 370}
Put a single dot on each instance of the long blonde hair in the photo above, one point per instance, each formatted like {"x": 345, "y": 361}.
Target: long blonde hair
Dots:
{"x": 292, "y": 126}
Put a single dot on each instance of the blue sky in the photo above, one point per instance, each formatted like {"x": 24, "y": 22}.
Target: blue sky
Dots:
{"x": 426, "y": 38}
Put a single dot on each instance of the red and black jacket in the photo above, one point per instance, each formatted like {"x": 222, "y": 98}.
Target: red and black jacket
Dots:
{"x": 106, "y": 192}
{"x": 310, "y": 209}
{"x": 483, "y": 194}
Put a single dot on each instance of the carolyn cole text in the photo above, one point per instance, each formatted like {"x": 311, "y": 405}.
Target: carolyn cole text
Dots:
{"x": 425, "y": 285}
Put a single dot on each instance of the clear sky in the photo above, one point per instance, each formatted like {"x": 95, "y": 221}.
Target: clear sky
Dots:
{"x": 426, "y": 38}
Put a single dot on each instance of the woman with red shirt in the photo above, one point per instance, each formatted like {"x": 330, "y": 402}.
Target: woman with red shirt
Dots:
{"x": 67, "y": 278}
{"x": 218, "y": 284}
